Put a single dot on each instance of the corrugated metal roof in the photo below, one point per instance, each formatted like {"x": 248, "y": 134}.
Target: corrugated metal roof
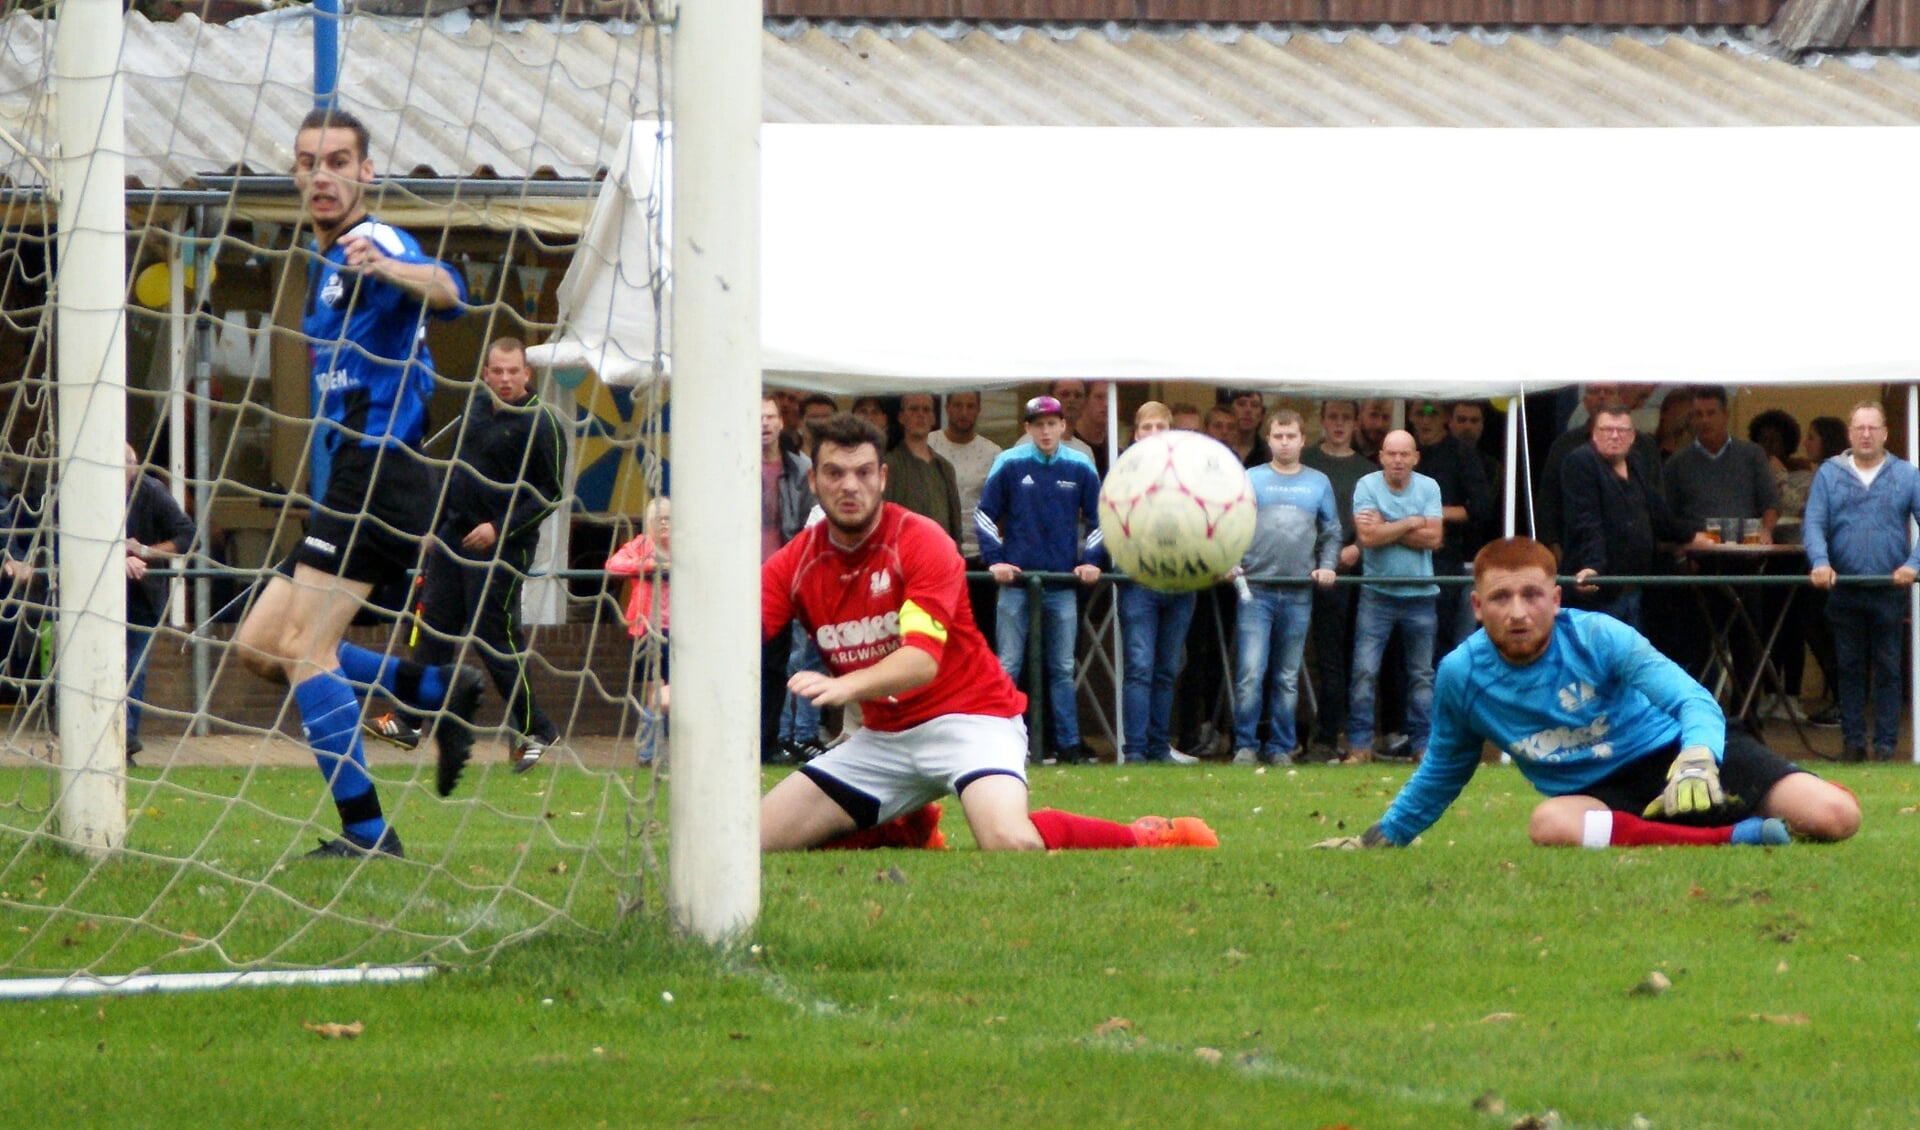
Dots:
{"x": 451, "y": 96}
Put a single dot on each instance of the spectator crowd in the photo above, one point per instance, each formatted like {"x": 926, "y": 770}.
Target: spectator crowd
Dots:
{"x": 1369, "y": 513}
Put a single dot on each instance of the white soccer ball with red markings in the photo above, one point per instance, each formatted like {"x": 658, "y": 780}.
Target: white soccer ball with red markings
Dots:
{"x": 1176, "y": 511}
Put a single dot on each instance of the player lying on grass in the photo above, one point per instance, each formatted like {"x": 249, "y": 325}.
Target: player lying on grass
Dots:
{"x": 883, "y": 592}
{"x": 1627, "y": 748}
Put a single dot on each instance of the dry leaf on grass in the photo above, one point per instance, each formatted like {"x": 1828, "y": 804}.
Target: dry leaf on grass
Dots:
{"x": 1210, "y": 1055}
{"x": 1340, "y": 843}
{"x": 1490, "y": 1103}
{"x": 1111, "y": 1025}
{"x": 1652, "y": 985}
{"x": 1784, "y": 1019}
{"x": 331, "y": 1031}
{"x": 891, "y": 875}
{"x": 1499, "y": 1017}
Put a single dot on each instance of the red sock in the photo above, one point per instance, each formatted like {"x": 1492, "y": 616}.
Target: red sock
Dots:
{"x": 917, "y": 829}
{"x": 1632, "y": 831}
{"x": 1060, "y": 830}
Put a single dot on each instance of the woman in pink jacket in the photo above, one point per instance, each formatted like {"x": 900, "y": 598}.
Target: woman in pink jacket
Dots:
{"x": 648, "y": 559}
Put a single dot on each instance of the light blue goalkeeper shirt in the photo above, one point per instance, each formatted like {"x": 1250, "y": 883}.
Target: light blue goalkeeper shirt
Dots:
{"x": 1599, "y": 697}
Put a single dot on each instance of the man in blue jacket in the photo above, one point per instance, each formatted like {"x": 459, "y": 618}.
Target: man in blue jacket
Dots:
{"x": 1856, "y": 525}
{"x": 1037, "y": 499}
{"x": 1627, "y": 749}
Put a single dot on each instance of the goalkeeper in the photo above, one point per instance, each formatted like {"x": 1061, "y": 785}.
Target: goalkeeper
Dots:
{"x": 1628, "y": 749}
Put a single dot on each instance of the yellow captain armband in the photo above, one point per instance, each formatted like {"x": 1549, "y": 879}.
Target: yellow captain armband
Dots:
{"x": 914, "y": 620}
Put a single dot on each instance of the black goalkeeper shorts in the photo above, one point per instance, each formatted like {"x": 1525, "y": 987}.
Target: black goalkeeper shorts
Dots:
{"x": 1748, "y": 772}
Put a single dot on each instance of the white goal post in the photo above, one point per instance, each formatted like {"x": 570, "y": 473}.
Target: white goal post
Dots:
{"x": 91, "y": 293}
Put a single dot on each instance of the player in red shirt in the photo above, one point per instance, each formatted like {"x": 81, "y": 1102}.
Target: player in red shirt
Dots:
{"x": 883, "y": 593}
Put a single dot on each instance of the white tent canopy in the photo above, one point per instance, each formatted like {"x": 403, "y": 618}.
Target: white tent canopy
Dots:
{"x": 1392, "y": 261}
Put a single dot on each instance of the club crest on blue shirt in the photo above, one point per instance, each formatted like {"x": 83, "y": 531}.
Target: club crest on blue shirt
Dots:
{"x": 1573, "y": 695}
{"x": 332, "y": 291}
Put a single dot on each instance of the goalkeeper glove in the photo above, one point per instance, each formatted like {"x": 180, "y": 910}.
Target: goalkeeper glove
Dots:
{"x": 1693, "y": 785}
{"x": 1372, "y": 837}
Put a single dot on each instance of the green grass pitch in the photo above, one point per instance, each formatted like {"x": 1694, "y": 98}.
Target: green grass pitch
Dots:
{"x": 1469, "y": 981}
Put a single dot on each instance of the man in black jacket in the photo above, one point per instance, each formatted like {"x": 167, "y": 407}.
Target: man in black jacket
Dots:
{"x": 157, "y": 532}
{"x": 505, "y": 480}
{"x": 1613, "y": 516}
{"x": 1466, "y": 500}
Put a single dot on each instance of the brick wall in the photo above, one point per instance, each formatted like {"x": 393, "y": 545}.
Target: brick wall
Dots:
{"x": 580, "y": 674}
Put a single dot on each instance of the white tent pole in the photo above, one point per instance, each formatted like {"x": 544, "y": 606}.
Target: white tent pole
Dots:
{"x": 91, "y": 348}
{"x": 1514, "y": 412}
{"x": 1913, "y": 591}
{"x": 713, "y": 871}
{"x": 1119, "y": 644}
{"x": 177, "y": 404}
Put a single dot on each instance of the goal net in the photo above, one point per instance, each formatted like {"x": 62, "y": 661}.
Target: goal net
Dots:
{"x": 485, "y": 140}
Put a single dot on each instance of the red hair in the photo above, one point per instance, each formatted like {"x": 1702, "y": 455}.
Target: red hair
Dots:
{"x": 1514, "y": 553}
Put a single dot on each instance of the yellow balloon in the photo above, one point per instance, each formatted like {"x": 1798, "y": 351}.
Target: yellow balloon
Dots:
{"x": 1500, "y": 403}
{"x": 151, "y": 285}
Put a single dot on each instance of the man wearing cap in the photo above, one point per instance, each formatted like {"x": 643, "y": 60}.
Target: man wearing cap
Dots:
{"x": 1038, "y": 498}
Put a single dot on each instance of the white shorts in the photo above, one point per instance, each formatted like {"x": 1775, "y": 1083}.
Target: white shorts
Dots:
{"x": 877, "y": 776}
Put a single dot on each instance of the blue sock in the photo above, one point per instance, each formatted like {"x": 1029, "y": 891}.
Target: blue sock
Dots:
{"x": 433, "y": 686}
{"x": 1756, "y": 831}
{"x": 368, "y": 668}
{"x": 393, "y": 675}
{"x": 330, "y": 719}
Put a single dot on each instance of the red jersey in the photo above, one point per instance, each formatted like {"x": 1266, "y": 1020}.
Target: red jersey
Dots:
{"x": 904, "y": 585}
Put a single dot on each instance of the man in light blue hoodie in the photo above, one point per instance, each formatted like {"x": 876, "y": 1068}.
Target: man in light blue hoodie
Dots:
{"x": 1856, "y": 525}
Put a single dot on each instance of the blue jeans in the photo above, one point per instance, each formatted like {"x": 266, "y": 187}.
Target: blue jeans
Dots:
{"x": 1153, "y": 628}
{"x": 1270, "y": 639}
{"x": 1866, "y": 644}
{"x": 800, "y": 719}
{"x": 139, "y": 642}
{"x": 1058, "y": 623}
{"x": 1374, "y": 622}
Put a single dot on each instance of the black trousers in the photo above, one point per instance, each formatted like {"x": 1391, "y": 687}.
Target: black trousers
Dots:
{"x": 1332, "y": 633}
{"x": 773, "y": 690}
{"x": 481, "y": 599}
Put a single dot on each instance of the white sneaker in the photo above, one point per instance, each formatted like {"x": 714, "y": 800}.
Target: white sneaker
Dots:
{"x": 1179, "y": 758}
{"x": 1245, "y": 756}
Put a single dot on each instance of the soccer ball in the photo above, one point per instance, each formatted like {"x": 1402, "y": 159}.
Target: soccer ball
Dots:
{"x": 1176, "y": 511}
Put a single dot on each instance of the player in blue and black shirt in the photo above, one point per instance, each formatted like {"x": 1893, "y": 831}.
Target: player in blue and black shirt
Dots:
{"x": 369, "y": 293}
